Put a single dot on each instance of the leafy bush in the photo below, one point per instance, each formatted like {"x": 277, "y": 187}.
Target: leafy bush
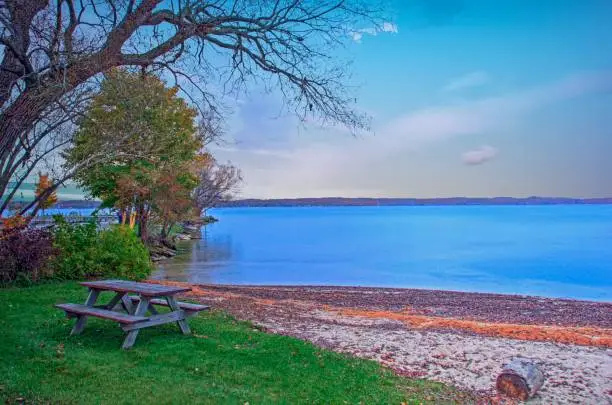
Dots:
{"x": 122, "y": 254}
{"x": 24, "y": 254}
{"x": 76, "y": 245}
{"x": 86, "y": 252}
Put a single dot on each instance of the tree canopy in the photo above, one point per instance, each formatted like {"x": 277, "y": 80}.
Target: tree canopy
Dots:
{"x": 148, "y": 139}
{"x": 53, "y": 52}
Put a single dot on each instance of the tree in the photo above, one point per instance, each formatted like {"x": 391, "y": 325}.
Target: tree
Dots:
{"x": 216, "y": 182}
{"x": 171, "y": 197}
{"x": 44, "y": 183}
{"x": 147, "y": 134}
{"x": 53, "y": 53}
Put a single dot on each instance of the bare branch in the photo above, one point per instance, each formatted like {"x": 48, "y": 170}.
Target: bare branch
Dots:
{"x": 212, "y": 49}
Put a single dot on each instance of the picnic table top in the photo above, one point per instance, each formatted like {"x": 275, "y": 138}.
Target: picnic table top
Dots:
{"x": 150, "y": 290}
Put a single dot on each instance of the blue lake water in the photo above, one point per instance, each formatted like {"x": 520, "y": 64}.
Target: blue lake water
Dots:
{"x": 555, "y": 251}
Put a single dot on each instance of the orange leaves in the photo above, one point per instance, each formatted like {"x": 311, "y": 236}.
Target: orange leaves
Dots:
{"x": 11, "y": 224}
{"x": 588, "y": 336}
{"x": 44, "y": 184}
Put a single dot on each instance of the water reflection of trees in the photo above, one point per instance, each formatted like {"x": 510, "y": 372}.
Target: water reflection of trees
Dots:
{"x": 198, "y": 261}
{"x": 212, "y": 251}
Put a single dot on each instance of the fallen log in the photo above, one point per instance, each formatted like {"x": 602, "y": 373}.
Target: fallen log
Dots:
{"x": 520, "y": 378}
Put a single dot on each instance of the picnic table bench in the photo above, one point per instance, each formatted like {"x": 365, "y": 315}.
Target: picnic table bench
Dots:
{"x": 130, "y": 311}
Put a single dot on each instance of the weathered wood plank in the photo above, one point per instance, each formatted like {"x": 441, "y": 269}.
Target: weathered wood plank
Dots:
{"x": 182, "y": 323}
{"x": 520, "y": 379}
{"x": 84, "y": 311}
{"x": 157, "y": 320}
{"x": 141, "y": 309}
{"x": 187, "y": 306}
{"x": 145, "y": 289}
{"x": 82, "y": 318}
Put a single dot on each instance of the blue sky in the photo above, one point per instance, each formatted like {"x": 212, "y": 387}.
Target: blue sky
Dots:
{"x": 468, "y": 98}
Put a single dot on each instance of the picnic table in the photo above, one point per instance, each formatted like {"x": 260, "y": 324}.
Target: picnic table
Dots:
{"x": 130, "y": 311}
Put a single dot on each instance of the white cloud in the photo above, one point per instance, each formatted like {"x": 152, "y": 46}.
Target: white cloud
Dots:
{"x": 479, "y": 156}
{"x": 473, "y": 79}
{"x": 357, "y": 35}
{"x": 389, "y": 27}
{"x": 314, "y": 164}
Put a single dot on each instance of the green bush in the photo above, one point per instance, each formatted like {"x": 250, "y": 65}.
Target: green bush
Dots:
{"x": 76, "y": 246}
{"x": 123, "y": 254}
{"x": 86, "y": 252}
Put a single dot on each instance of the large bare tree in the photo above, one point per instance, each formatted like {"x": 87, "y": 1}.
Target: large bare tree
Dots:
{"x": 53, "y": 51}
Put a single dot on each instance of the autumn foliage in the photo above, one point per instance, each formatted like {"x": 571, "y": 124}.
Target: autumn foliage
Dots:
{"x": 154, "y": 160}
{"x": 44, "y": 184}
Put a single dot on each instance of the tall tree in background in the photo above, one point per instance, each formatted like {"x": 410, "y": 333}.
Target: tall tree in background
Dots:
{"x": 147, "y": 135}
{"x": 53, "y": 52}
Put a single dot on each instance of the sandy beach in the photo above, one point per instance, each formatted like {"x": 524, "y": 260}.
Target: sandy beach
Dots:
{"x": 457, "y": 338}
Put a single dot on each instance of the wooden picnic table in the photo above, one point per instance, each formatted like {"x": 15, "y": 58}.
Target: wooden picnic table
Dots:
{"x": 130, "y": 311}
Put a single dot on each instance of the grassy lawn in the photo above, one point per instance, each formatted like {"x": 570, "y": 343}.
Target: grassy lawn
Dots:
{"x": 224, "y": 361}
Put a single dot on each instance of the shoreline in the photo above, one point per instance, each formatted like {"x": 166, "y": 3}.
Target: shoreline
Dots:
{"x": 381, "y": 202}
{"x": 458, "y": 338}
{"x": 478, "y": 306}
{"x": 400, "y": 289}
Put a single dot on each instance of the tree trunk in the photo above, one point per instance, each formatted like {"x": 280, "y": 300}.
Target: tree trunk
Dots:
{"x": 164, "y": 230}
{"x": 142, "y": 222}
{"x": 520, "y": 379}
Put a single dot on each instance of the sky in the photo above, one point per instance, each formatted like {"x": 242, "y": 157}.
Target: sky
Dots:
{"x": 474, "y": 98}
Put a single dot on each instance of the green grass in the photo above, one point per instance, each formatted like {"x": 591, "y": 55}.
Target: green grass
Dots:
{"x": 224, "y": 361}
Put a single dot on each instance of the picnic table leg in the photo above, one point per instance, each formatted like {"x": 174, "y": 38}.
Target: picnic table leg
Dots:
{"x": 152, "y": 310}
{"x": 141, "y": 310}
{"x": 82, "y": 319}
{"x": 127, "y": 305}
{"x": 113, "y": 303}
{"x": 175, "y": 307}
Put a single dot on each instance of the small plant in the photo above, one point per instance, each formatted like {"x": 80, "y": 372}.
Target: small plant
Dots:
{"x": 14, "y": 223}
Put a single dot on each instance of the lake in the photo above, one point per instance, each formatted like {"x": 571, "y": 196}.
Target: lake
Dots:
{"x": 555, "y": 251}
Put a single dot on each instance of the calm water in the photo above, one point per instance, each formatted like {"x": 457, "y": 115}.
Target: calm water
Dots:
{"x": 557, "y": 251}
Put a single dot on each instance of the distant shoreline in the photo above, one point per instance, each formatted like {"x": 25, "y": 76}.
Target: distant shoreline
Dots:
{"x": 369, "y": 202}
{"x": 373, "y": 202}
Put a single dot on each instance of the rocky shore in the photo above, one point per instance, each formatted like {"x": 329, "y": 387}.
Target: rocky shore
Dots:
{"x": 163, "y": 249}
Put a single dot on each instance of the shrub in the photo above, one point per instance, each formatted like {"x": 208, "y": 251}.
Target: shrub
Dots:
{"x": 86, "y": 252}
{"x": 76, "y": 245}
{"x": 122, "y": 254}
{"x": 15, "y": 222}
{"x": 25, "y": 254}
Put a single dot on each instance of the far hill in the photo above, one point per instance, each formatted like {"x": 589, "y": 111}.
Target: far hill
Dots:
{"x": 365, "y": 202}
{"x": 340, "y": 201}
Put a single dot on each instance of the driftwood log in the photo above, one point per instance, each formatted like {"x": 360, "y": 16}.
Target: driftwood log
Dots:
{"x": 520, "y": 378}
